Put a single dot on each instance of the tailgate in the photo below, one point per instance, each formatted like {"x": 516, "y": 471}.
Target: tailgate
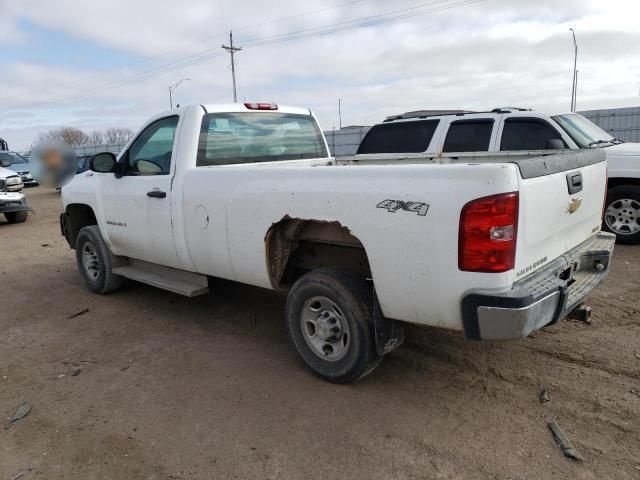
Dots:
{"x": 561, "y": 200}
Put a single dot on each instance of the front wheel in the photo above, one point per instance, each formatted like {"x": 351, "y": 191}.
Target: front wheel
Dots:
{"x": 329, "y": 316}
{"x": 95, "y": 261}
{"x": 622, "y": 213}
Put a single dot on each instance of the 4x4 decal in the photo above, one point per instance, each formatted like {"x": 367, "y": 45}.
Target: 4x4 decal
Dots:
{"x": 393, "y": 206}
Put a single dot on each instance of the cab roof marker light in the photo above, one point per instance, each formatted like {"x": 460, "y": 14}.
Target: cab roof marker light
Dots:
{"x": 260, "y": 106}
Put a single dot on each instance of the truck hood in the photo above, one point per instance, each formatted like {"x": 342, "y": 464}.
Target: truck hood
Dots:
{"x": 6, "y": 172}
{"x": 623, "y": 149}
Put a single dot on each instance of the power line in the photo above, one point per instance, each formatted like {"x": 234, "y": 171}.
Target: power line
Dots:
{"x": 209, "y": 38}
{"x": 198, "y": 57}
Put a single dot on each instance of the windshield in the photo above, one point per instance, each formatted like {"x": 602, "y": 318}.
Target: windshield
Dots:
{"x": 585, "y": 133}
{"x": 11, "y": 157}
{"x": 230, "y": 138}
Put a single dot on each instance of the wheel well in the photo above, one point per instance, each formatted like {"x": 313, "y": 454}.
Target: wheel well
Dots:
{"x": 616, "y": 182}
{"x": 296, "y": 246}
{"x": 78, "y": 217}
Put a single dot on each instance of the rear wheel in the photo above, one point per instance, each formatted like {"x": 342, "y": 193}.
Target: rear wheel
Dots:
{"x": 95, "y": 261}
{"x": 329, "y": 317}
{"x": 16, "y": 217}
{"x": 622, "y": 213}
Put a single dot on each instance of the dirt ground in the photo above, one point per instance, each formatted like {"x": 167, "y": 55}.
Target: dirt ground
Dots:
{"x": 208, "y": 388}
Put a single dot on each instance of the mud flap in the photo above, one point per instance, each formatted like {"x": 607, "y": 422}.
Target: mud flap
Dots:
{"x": 389, "y": 333}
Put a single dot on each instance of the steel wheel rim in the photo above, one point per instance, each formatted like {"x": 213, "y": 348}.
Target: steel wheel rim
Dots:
{"x": 90, "y": 261}
{"x": 623, "y": 216}
{"x": 325, "y": 329}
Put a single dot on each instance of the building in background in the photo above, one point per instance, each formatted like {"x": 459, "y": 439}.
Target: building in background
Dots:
{"x": 346, "y": 140}
{"x": 622, "y": 123}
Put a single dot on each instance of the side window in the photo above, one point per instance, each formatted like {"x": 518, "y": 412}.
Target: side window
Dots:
{"x": 399, "y": 137}
{"x": 150, "y": 153}
{"x": 529, "y": 134}
{"x": 468, "y": 136}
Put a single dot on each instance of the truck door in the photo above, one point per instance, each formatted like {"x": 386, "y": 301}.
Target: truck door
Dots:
{"x": 137, "y": 206}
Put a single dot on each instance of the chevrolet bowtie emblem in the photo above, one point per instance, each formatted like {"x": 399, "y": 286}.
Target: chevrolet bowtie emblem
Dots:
{"x": 574, "y": 205}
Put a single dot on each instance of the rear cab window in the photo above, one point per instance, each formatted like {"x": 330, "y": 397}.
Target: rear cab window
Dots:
{"x": 399, "y": 137}
{"x": 251, "y": 137}
{"x": 470, "y": 135}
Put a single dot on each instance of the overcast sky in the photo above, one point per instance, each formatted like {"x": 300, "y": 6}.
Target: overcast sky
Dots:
{"x": 101, "y": 63}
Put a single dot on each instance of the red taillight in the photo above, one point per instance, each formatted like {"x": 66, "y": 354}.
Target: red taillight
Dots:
{"x": 261, "y": 106}
{"x": 487, "y": 238}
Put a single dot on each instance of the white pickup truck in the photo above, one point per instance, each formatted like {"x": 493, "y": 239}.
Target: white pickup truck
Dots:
{"x": 441, "y": 136}
{"x": 248, "y": 192}
{"x": 13, "y": 203}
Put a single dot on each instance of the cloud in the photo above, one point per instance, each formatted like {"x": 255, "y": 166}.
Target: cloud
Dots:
{"x": 482, "y": 55}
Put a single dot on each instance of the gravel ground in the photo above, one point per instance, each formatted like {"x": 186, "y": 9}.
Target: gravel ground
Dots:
{"x": 203, "y": 388}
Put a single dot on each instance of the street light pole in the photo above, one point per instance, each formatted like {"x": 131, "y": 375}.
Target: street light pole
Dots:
{"x": 574, "y": 84}
{"x": 172, "y": 88}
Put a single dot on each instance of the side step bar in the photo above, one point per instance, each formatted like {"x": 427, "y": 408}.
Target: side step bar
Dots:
{"x": 188, "y": 284}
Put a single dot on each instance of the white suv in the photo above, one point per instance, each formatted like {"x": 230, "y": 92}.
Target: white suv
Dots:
{"x": 442, "y": 134}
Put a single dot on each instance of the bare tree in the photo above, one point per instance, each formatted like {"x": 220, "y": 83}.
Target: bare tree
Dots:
{"x": 68, "y": 135}
{"x": 96, "y": 137}
{"x": 74, "y": 136}
{"x": 117, "y": 135}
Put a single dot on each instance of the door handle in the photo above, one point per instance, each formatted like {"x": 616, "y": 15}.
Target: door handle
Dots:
{"x": 574, "y": 182}
{"x": 156, "y": 194}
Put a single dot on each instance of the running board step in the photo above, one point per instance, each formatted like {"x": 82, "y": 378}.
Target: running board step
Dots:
{"x": 177, "y": 281}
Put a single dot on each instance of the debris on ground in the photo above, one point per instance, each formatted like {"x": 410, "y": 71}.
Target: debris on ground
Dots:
{"x": 635, "y": 391}
{"x": 76, "y": 371}
{"x": 45, "y": 245}
{"x": 581, "y": 313}
{"x": 637, "y": 356}
{"x": 23, "y": 410}
{"x": 563, "y": 442}
{"x": 77, "y": 314}
{"x": 544, "y": 395}
{"x": 17, "y": 476}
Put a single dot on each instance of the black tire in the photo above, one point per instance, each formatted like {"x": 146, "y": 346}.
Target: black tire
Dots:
{"x": 623, "y": 205}
{"x": 101, "y": 279}
{"x": 354, "y": 298}
{"x": 16, "y": 217}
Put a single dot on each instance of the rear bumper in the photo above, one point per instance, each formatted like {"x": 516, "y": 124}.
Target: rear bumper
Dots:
{"x": 542, "y": 298}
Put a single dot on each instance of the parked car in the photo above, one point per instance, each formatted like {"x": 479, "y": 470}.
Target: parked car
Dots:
{"x": 20, "y": 165}
{"x": 444, "y": 134}
{"x": 248, "y": 192}
{"x": 13, "y": 203}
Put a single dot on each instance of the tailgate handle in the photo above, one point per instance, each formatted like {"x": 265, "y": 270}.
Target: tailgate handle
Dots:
{"x": 574, "y": 182}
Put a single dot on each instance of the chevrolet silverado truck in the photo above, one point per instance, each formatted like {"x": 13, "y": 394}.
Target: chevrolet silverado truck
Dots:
{"x": 454, "y": 135}
{"x": 13, "y": 203}
{"x": 248, "y": 192}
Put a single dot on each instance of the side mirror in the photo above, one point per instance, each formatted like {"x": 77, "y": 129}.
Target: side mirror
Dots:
{"x": 104, "y": 162}
{"x": 555, "y": 144}
{"x": 4, "y": 163}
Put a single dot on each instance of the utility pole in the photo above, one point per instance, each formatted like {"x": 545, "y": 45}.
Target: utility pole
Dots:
{"x": 340, "y": 112}
{"x": 231, "y": 49}
{"x": 574, "y": 85}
